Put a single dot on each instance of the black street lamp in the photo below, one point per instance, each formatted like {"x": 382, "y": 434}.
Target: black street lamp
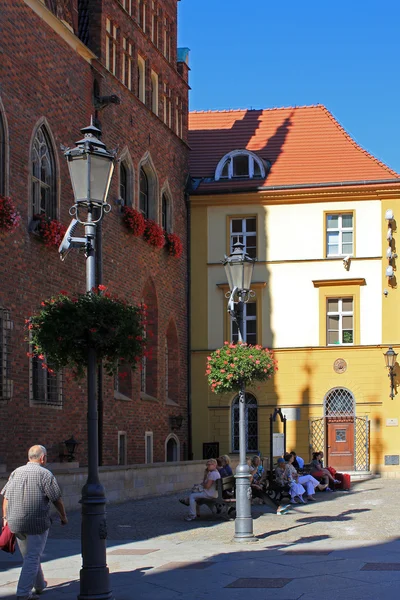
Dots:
{"x": 390, "y": 360}
{"x": 91, "y": 167}
{"x": 239, "y": 270}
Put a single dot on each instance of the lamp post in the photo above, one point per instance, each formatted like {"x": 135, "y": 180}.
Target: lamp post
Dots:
{"x": 390, "y": 360}
{"x": 91, "y": 167}
{"x": 239, "y": 270}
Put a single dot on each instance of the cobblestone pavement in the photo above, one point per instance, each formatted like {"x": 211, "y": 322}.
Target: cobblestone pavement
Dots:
{"x": 368, "y": 512}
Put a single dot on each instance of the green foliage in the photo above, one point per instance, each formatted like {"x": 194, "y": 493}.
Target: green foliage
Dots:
{"x": 234, "y": 364}
{"x": 66, "y": 327}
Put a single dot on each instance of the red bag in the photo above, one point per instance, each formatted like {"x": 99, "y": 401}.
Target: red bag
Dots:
{"x": 345, "y": 481}
{"x": 332, "y": 471}
{"x": 7, "y": 540}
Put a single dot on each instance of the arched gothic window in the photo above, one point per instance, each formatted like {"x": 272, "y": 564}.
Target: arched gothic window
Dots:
{"x": 144, "y": 194}
{"x": 165, "y": 221}
{"x": 172, "y": 450}
{"x": 126, "y": 180}
{"x": 43, "y": 172}
{"x": 240, "y": 164}
{"x": 251, "y": 424}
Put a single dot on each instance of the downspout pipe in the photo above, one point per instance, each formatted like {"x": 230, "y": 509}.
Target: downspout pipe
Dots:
{"x": 189, "y": 335}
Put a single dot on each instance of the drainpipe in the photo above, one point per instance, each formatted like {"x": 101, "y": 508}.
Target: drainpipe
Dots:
{"x": 189, "y": 337}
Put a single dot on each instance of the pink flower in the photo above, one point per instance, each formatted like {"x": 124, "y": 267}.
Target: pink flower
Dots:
{"x": 257, "y": 362}
{"x": 222, "y": 370}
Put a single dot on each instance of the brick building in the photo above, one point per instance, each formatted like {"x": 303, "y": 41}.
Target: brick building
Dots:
{"x": 63, "y": 61}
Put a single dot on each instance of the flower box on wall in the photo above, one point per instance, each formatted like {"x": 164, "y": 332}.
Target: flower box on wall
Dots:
{"x": 49, "y": 230}
{"x": 9, "y": 216}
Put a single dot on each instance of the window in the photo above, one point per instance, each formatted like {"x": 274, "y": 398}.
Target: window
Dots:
{"x": 165, "y": 212}
{"x": 44, "y": 197}
{"x": 154, "y": 25}
{"x": 340, "y": 329}
{"x": 122, "y": 449}
{"x": 177, "y": 120}
{"x": 339, "y": 234}
{"x": 123, "y": 379}
{"x": 45, "y": 384}
{"x": 144, "y": 194}
{"x": 5, "y": 355}
{"x": 141, "y": 12}
{"x": 144, "y": 359}
{"x": 244, "y": 230}
{"x": 166, "y": 43}
{"x": 251, "y": 424}
{"x": 141, "y": 83}
{"x": 127, "y": 62}
{"x": 127, "y": 5}
{"x": 148, "y": 440}
{"x": 154, "y": 92}
{"x": 172, "y": 364}
{"x": 126, "y": 180}
{"x": 2, "y": 157}
{"x": 249, "y": 325}
{"x": 111, "y": 47}
{"x": 339, "y": 402}
{"x": 240, "y": 164}
{"x": 150, "y": 371}
{"x": 172, "y": 451}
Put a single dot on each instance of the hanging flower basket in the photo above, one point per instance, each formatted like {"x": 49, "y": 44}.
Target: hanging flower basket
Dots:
{"x": 66, "y": 327}
{"x": 9, "y": 216}
{"x": 174, "y": 245}
{"x": 154, "y": 234}
{"x": 49, "y": 230}
{"x": 234, "y": 364}
{"x": 134, "y": 220}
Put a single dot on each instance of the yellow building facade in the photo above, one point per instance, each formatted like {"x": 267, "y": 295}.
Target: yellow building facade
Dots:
{"x": 319, "y": 213}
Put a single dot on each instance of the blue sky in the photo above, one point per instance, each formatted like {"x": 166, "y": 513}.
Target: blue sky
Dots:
{"x": 259, "y": 54}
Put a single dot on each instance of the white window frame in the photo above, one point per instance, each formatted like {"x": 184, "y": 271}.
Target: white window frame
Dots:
{"x": 154, "y": 92}
{"x": 246, "y": 320}
{"x": 340, "y": 313}
{"x": 252, "y": 158}
{"x": 125, "y": 458}
{"x": 127, "y": 6}
{"x": 142, "y": 79}
{"x": 148, "y": 435}
{"x": 339, "y": 230}
{"x": 244, "y": 234}
{"x": 178, "y": 447}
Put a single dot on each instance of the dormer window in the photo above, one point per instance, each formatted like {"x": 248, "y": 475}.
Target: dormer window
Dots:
{"x": 240, "y": 164}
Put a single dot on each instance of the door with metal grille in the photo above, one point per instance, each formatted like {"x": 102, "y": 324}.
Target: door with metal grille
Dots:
{"x": 361, "y": 444}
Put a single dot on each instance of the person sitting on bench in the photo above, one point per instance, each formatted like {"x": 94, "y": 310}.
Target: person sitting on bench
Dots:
{"x": 208, "y": 489}
{"x": 308, "y": 481}
{"x": 318, "y": 471}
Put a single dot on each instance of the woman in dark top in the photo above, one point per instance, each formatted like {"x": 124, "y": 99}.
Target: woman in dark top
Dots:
{"x": 225, "y": 463}
{"x": 318, "y": 471}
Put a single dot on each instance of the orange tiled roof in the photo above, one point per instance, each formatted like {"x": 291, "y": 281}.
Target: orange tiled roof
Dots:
{"x": 305, "y": 145}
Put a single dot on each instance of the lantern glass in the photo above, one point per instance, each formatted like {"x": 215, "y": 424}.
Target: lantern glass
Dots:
{"x": 90, "y": 176}
{"x": 390, "y": 358}
{"x": 239, "y": 268}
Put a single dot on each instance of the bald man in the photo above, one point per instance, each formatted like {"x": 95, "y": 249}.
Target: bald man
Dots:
{"x": 28, "y": 495}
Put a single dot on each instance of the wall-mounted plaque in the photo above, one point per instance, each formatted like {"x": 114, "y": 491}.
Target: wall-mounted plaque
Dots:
{"x": 392, "y": 422}
{"x": 291, "y": 414}
{"x": 340, "y": 365}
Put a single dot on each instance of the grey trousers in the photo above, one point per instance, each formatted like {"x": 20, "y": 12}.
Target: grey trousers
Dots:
{"x": 31, "y": 576}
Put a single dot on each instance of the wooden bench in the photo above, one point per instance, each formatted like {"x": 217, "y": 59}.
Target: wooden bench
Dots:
{"x": 225, "y": 503}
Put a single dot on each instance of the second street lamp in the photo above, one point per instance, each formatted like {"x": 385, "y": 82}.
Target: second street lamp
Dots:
{"x": 91, "y": 167}
{"x": 239, "y": 270}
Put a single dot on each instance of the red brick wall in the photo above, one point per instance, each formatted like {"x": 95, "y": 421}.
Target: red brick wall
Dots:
{"x": 41, "y": 76}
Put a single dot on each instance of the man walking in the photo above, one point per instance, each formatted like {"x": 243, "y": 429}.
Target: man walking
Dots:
{"x": 28, "y": 495}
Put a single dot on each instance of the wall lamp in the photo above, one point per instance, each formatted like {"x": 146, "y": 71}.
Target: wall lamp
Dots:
{"x": 176, "y": 422}
{"x": 390, "y": 360}
{"x": 70, "y": 445}
{"x": 389, "y": 216}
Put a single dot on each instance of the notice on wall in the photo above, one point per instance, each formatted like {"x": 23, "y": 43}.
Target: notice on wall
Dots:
{"x": 392, "y": 422}
{"x": 291, "y": 414}
{"x": 278, "y": 444}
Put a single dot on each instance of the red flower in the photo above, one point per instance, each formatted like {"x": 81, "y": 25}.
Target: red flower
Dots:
{"x": 102, "y": 288}
{"x": 174, "y": 244}
{"x": 9, "y": 216}
{"x": 154, "y": 234}
{"x": 50, "y": 230}
{"x": 134, "y": 220}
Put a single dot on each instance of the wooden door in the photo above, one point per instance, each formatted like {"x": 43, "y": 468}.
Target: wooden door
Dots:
{"x": 340, "y": 444}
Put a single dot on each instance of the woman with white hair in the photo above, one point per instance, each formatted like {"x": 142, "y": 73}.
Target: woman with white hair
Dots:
{"x": 207, "y": 489}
